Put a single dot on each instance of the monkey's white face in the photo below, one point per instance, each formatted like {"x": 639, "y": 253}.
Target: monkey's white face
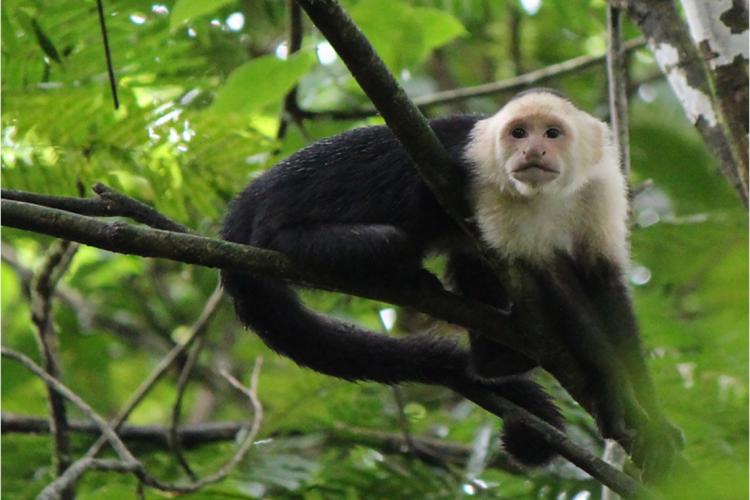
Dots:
{"x": 546, "y": 178}
{"x": 533, "y": 149}
{"x": 540, "y": 143}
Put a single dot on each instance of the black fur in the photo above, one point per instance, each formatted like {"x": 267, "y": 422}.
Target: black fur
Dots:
{"x": 354, "y": 205}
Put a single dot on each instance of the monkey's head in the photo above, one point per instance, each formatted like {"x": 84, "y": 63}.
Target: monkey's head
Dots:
{"x": 539, "y": 142}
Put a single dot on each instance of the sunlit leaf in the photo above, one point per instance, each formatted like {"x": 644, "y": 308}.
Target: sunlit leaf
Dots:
{"x": 261, "y": 81}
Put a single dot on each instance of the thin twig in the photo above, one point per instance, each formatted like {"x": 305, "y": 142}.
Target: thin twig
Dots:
{"x": 74, "y": 472}
{"x": 294, "y": 43}
{"x": 107, "y": 53}
{"x": 513, "y": 15}
{"x": 87, "y": 312}
{"x": 132, "y": 466}
{"x": 125, "y": 205}
{"x": 198, "y": 328}
{"x": 108, "y": 432}
{"x": 617, "y": 73}
{"x": 108, "y": 202}
{"x": 174, "y": 440}
{"x": 121, "y": 417}
{"x": 403, "y": 422}
{"x": 191, "y": 435}
{"x": 42, "y": 287}
{"x": 526, "y": 80}
{"x": 144, "y": 388}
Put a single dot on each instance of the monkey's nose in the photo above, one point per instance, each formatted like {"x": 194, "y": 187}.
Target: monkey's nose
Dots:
{"x": 534, "y": 153}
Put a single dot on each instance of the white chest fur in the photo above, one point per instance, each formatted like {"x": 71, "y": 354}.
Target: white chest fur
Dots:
{"x": 531, "y": 229}
{"x": 587, "y": 223}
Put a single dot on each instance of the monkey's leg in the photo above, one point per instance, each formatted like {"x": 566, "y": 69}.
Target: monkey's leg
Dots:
{"x": 624, "y": 393}
{"x": 474, "y": 279}
{"x": 612, "y": 301}
{"x": 379, "y": 252}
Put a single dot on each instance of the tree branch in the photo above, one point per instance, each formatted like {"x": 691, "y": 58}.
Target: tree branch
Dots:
{"x": 617, "y": 76}
{"x": 109, "y": 433}
{"x": 192, "y": 435}
{"x": 192, "y": 249}
{"x": 294, "y": 43}
{"x": 196, "y": 329}
{"x": 719, "y": 30}
{"x": 129, "y": 464}
{"x": 693, "y": 84}
{"x": 107, "y": 203}
{"x": 602, "y": 471}
{"x": 43, "y": 284}
{"x": 526, "y": 80}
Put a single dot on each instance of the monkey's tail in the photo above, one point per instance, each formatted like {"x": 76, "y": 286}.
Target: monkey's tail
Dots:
{"x": 520, "y": 440}
{"x": 272, "y": 309}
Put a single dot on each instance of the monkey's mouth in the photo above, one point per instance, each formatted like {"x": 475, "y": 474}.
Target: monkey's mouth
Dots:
{"x": 534, "y": 173}
{"x": 538, "y": 166}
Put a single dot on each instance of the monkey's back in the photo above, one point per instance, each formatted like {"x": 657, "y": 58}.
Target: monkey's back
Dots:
{"x": 363, "y": 176}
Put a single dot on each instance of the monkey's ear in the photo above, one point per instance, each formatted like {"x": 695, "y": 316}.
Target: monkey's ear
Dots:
{"x": 595, "y": 136}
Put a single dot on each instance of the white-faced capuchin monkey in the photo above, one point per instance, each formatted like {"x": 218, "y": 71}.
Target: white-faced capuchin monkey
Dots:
{"x": 543, "y": 179}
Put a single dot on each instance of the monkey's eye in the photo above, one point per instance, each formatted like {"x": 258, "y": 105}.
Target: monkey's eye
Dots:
{"x": 518, "y": 133}
{"x": 553, "y": 133}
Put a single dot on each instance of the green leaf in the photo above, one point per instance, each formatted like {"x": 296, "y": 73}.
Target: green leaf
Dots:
{"x": 438, "y": 27}
{"x": 261, "y": 82}
{"x": 404, "y": 35}
{"x": 187, "y": 10}
{"x": 44, "y": 42}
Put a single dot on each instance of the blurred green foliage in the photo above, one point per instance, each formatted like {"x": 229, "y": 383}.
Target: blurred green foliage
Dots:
{"x": 201, "y": 88}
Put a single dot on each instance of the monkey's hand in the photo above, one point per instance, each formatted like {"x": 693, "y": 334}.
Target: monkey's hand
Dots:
{"x": 656, "y": 448}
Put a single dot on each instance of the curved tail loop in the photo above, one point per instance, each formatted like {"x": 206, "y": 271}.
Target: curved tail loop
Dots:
{"x": 271, "y": 309}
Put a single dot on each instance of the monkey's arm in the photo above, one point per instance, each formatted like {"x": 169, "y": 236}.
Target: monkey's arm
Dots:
{"x": 626, "y": 396}
{"x": 611, "y": 298}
